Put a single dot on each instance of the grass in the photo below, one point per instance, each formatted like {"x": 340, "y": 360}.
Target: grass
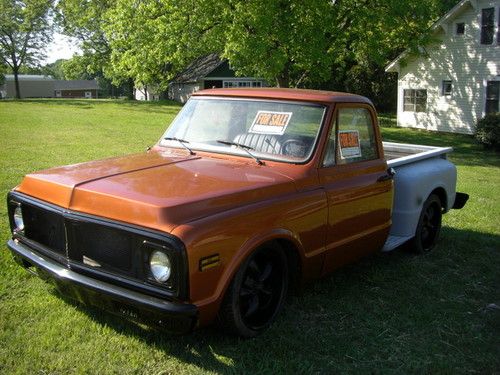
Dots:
{"x": 389, "y": 313}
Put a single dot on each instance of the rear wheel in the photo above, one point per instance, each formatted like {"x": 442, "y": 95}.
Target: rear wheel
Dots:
{"x": 429, "y": 225}
{"x": 257, "y": 292}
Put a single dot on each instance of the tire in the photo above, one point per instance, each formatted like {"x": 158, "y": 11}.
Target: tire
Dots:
{"x": 257, "y": 293}
{"x": 429, "y": 226}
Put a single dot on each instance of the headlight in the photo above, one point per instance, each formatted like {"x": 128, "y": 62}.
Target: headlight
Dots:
{"x": 18, "y": 219}
{"x": 160, "y": 265}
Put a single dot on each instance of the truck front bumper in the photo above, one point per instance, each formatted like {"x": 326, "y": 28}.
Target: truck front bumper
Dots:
{"x": 171, "y": 316}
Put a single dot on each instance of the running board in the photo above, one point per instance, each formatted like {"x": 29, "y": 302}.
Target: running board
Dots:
{"x": 394, "y": 241}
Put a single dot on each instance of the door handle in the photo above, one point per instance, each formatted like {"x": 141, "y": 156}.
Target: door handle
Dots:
{"x": 386, "y": 177}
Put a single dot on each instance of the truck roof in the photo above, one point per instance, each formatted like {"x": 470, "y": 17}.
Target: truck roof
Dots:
{"x": 287, "y": 94}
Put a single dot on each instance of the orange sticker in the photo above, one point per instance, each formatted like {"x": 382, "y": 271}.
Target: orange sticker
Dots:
{"x": 267, "y": 122}
{"x": 349, "y": 144}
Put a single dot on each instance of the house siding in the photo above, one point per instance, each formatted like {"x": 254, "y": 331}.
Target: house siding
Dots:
{"x": 461, "y": 59}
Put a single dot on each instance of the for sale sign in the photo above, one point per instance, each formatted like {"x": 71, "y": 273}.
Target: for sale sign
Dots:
{"x": 270, "y": 122}
{"x": 349, "y": 144}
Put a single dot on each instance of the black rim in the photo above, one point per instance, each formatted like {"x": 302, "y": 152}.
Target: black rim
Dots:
{"x": 431, "y": 222}
{"x": 262, "y": 289}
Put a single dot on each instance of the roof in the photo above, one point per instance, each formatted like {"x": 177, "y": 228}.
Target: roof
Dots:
{"x": 28, "y": 77}
{"x": 199, "y": 68}
{"x": 287, "y": 94}
{"x": 441, "y": 23}
{"x": 76, "y": 85}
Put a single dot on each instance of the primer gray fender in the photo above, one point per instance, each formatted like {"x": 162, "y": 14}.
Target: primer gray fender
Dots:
{"x": 413, "y": 183}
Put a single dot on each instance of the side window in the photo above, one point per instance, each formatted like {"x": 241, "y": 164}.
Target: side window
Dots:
{"x": 356, "y": 138}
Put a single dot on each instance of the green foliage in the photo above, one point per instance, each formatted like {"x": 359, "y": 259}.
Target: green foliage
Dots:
{"x": 152, "y": 40}
{"x": 76, "y": 68}
{"x": 53, "y": 69}
{"x": 25, "y": 30}
{"x": 488, "y": 130}
{"x": 342, "y": 45}
{"x": 287, "y": 43}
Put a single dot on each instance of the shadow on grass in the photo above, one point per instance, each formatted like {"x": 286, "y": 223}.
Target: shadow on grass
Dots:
{"x": 168, "y": 105}
{"x": 390, "y": 311}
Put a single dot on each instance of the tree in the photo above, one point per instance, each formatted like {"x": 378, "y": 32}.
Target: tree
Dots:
{"x": 25, "y": 30}
{"x": 152, "y": 40}
{"x": 85, "y": 21}
{"x": 286, "y": 42}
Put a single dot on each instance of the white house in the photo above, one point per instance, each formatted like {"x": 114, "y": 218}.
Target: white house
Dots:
{"x": 457, "y": 79}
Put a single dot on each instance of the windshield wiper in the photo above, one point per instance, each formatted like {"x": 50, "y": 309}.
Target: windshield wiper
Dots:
{"x": 182, "y": 142}
{"x": 244, "y": 148}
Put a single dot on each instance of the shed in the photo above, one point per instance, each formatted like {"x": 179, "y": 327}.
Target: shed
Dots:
{"x": 30, "y": 86}
{"x": 76, "y": 89}
{"x": 39, "y": 86}
{"x": 209, "y": 71}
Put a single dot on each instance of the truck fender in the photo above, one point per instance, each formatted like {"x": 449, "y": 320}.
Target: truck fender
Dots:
{"x": 232, "y": 268}
{"x": 413, "y": 183}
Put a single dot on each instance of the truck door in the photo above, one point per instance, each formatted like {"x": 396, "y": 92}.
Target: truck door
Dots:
{"x": 357, "y": 184}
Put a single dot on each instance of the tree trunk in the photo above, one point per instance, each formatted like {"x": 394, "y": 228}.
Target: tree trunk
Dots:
{"x": 130, "y": 93}
{"x": 283, "y": 80}
{"x": 16, "y": 82}
{"x": 146, "y": 92}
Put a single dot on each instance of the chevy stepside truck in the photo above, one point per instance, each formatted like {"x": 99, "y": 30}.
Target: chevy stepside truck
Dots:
{"x": 248, "y": 191}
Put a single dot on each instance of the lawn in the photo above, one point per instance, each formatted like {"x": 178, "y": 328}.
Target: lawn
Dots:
{"x": 390, "y": 313}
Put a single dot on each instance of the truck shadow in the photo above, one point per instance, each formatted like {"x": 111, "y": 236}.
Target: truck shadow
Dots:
{"x": 377, "y": 310}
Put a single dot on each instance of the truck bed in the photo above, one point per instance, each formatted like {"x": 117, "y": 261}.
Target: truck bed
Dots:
{"x": 398, "y": 154}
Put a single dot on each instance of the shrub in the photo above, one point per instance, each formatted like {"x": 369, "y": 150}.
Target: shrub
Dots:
{"x": 488, "y": 131}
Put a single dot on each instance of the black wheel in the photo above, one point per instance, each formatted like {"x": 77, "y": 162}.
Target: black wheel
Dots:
{"x": 257, "y": 292}
{"x": 429, "y": 225}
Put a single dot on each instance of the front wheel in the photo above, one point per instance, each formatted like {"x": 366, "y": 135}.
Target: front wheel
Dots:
{"x": 257, "y": 292}
{"x": 429, "y": 225}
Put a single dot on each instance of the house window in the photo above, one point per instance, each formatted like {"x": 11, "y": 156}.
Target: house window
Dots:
{"x": 446, "y": 88}
{"x": 415, "y": 100}
{"x": 498, "y": 28}
{"x": 487, "y": 25}
{"x": 460, "y": 28}
{"x": 229, "y": 84}
{"x": 492, "y": 96}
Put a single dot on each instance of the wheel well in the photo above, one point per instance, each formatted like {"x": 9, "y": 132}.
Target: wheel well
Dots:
{"x": 441, "y": 193}
{"x": 293, "y": 259}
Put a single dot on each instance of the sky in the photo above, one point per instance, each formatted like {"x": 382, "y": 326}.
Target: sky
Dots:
{"x": 60, "y": 48}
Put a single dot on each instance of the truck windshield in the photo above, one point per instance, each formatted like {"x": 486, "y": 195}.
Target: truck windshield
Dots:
{"x": 272, "y": 130}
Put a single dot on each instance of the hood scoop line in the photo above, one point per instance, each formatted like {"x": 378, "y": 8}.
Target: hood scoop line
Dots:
{"x": 75, "y": 186}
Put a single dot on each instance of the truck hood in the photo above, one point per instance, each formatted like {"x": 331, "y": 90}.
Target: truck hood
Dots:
{"x": 158, "y": 190}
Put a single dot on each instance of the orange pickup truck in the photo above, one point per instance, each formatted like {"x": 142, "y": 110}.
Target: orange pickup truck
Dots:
{"x": 247, "y": 192}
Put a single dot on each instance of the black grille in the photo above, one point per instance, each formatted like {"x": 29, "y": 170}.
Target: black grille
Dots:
{"x": 104, "y": 247}
{"x": 45, "y": 227}
{"x": 101, "y": 248}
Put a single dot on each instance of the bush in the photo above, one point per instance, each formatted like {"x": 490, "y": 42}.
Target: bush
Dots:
{"x": 488, "y": 131}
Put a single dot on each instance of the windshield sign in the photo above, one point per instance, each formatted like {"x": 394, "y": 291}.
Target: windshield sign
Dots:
{"x": 262, "y": 129}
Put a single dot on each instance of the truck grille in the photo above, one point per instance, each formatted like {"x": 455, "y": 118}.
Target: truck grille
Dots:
{"x": 88, "y": 243}
{"x": 101, "y": 246}
{"x": 108, "y": 250}
{"x": 45, "y": 227}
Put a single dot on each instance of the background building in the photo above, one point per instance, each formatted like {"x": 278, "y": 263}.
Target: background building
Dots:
{"x": 37, "y": 86}
{"x": 457, "y": 80}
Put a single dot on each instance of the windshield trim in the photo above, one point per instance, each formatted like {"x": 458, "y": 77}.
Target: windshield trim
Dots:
{"x": 237, "y": 152}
